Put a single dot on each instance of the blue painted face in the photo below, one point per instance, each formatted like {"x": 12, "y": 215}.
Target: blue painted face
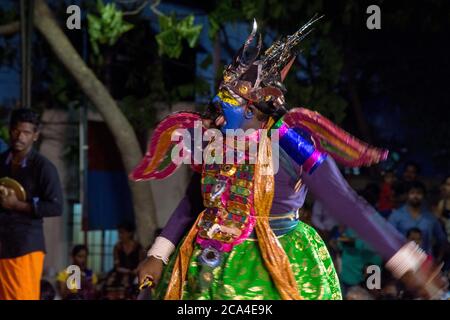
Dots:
{"x": 233, "y": 112}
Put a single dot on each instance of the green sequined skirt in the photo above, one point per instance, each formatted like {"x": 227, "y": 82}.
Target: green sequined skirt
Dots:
{"x": 242, "y": 274}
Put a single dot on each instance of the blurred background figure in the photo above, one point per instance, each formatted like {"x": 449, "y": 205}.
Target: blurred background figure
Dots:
{"x": 322, "y": 221}
{"x": 390, "y": 288}
{"x": 414, "y": 214}
{"x": 386, "y": 200}
{"x": 48, "y": 292}
{"x": 358, "y": 293}
{"x": 414, "y": 234}
{"x": 121, "y": 282}
{"x": 88, "y": 282}
{"x": 443, "y": 209}
{"x": 328, "y": 229}
{"x": 443, "y": 214}
{"x": 410, "y": 175}
{"x": 3, "y": 146}
{"x": 411, "y": 172}
{"x": 355, "y": 256}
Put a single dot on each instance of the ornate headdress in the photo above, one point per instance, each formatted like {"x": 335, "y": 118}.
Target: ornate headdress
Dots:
{"x": 258, "y": 78}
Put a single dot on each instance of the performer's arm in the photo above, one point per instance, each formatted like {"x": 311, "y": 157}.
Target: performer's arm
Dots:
{"x": 343, "y": 203}
{"x": 405, "y": 260}
{"x": 180, "y": 221}
{"x": 172, "y": 233}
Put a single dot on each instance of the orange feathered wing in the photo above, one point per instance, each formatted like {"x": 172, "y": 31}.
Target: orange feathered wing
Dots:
{"x": 158, "y": 162}
{"x": 328, "y": 137}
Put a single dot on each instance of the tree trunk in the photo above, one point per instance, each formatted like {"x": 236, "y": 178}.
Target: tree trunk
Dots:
{"x": 120, "y": 127}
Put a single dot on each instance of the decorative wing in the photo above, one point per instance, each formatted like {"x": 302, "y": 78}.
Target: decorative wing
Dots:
{"x": 328, "y": 137}
{"x": 157, "y": 162}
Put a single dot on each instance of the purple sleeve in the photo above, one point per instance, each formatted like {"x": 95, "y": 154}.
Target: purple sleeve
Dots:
{"x": 179, "y": 222}
{"x": 342, "y": 202}
{"x": 186, "y": 213}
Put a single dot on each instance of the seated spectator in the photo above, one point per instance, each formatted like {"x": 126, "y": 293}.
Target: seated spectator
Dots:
{"x": 88, "y": 281}
{"x": 121, "y": 281}
{"x": 415, "y": 215}
{"x": 355, "y": 256}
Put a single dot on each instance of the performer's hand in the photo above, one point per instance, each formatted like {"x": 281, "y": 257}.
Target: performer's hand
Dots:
{"x": 150, "y": 267}
{"x": 427, "y": 283}
{"x": 8, "y": 199}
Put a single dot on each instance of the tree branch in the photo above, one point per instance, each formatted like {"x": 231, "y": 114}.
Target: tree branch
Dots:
{"x": 105, "y": 104}
{"x": 137, "y": 10}
{"x": 154, "y": 6}
{"x": 10, "y": 28}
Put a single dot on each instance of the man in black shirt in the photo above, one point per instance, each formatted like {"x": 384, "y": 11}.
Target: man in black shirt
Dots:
{"x": 22, "y": 245}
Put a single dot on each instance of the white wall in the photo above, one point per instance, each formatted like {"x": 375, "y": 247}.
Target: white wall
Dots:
{"x": 53, "y": 137}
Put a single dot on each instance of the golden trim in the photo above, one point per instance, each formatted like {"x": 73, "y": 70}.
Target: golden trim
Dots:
{"x": 275, "y": 259}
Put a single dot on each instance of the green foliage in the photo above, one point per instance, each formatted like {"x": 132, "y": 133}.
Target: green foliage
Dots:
{"x": 173, "y": 32}
{"x": 140, "y": 112}
{"x": 188, "y": 90}
{"x": 4, "y": 133}
{"x": 59, "y": 87}
{"x": 107, "y": 28}
{"x": 224, "y": 12}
